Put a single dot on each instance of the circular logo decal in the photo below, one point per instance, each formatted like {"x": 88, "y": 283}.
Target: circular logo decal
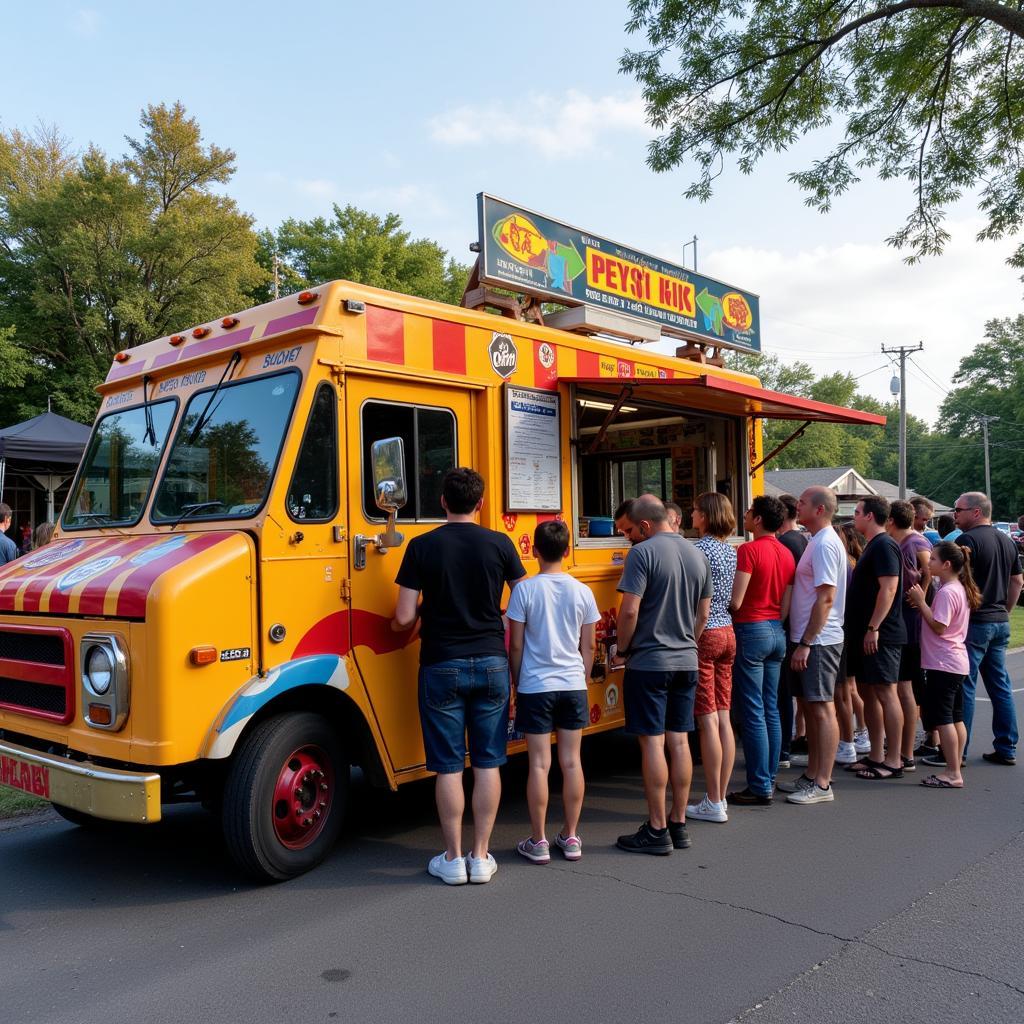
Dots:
{"x": 509, "y": 519}
{"x": 81, "y": 573}
{"x": 152, "y": 554}
{"x": 595, "y": 714}
{"x": 53, "y": 553}
{"x": 546, "y": 355}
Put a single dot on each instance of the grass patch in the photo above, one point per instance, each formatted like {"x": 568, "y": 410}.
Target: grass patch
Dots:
{"x": 1017, "y": 627}
{"x": 12, "y": 803}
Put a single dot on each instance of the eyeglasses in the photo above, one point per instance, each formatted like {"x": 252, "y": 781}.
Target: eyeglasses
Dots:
{"x": 955, "y": 510}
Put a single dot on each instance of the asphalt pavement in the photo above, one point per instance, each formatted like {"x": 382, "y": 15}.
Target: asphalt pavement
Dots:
{"x": 894, "y": 903}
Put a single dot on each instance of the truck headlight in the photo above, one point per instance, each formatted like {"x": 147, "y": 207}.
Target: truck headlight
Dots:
{"x": 105, "y": 690}
{"x": 99, "y": 669}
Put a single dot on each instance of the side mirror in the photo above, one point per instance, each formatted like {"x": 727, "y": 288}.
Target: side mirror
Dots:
{"x": 389, "y": 492}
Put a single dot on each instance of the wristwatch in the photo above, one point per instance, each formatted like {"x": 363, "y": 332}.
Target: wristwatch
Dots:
{"x": 872, "y": 629}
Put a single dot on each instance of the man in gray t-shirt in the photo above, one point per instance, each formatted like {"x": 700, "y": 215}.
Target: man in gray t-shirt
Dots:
{"x": 666, "y": 597}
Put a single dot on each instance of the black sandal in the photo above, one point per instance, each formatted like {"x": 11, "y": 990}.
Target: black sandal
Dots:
{"x": 874, "y": 773}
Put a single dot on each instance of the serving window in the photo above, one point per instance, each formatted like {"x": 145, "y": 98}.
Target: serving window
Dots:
{"x": 654, "y": 449}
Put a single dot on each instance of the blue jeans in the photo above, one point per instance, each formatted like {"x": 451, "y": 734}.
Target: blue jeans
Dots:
{"x": 986, "y": 651}
{"x": 459, "y": 697}
{"x": 760, "y": 650}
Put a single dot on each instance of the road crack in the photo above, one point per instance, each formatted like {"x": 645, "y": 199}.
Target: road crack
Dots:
{"x": 847, "y": 940}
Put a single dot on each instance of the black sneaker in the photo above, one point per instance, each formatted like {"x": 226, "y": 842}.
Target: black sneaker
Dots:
{"x": 647, "y": 840}
{"x": 798, "y": 745}
{"x": 927, "y": 750}
{"x": 680, "y": 837}
{"x": 747, "y": 798}
{"x": 996, "y": 758}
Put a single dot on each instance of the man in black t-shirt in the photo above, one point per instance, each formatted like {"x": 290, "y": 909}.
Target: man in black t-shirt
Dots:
{"x": 875, "y": 635}
{"x": 996, "y": 567}
{"x": 461, "y": 569}
{"x": 794, "y": 748}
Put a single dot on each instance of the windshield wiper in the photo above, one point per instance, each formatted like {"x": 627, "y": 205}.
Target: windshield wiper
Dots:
{"x": 102, "y": 517}
{"x": 191, "y": 510}
{"x": 150, "y": 428}
{"x": 236, "y": 358}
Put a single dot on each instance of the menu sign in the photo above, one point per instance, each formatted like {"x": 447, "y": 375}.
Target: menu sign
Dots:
{"x": 530, "y": 253}
{"x": 533, "y": 454}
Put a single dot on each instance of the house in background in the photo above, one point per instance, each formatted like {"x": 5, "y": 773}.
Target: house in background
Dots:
{"x": 848, "y": 484}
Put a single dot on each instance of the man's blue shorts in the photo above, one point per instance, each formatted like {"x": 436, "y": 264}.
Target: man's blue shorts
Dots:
{"x": 658, "y": 702}
{"x": 464, "y": 696}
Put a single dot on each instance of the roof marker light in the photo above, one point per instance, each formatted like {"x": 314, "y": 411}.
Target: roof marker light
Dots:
{"x": 228, "y": 322}
{"x": 354, "y": 306}
{"x": 200, "y": 332}
{"x": 305, "y": 298}
{"x": 122, "y": 357}
{"x": 176, "y": 339}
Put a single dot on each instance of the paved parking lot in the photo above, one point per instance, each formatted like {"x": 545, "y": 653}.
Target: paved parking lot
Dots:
{"x": 892, "y": 904}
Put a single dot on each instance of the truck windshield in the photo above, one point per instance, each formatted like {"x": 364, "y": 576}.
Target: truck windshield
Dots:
{"x": 223, "y": 470}
{"x": 117, "y": 472}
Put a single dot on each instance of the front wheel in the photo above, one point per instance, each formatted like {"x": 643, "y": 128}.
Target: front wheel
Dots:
{"x": 285, "y": 796}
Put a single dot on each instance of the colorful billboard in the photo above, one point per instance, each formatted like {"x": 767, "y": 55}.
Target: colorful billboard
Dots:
{"x": 524, "y": 251}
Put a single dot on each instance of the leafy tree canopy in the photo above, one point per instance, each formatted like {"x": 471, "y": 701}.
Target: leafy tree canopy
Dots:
{"x": 359, "y": 246}
{"x": 929, "y": 91}
{"x": 97, "y": 255}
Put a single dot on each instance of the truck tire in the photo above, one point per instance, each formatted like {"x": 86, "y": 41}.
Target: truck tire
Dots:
{"x": 285, "y": 796}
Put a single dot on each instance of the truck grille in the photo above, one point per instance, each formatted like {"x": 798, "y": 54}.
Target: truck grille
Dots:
{"x": 37, "y": 675}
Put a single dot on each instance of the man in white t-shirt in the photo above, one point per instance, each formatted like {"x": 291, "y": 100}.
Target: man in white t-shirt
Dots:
{"x": 816, "y": 627}
{"x": 551, "y": 651}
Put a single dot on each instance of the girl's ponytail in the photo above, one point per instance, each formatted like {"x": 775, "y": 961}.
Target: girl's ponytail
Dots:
{"x": 959, "y": 558}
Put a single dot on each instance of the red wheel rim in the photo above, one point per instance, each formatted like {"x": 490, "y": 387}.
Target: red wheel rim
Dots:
{"x": 303, "y": 795}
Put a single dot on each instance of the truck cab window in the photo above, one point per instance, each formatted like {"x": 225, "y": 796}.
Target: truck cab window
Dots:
{"x": 313, "y": 492}
{"x": 430, "y": 447}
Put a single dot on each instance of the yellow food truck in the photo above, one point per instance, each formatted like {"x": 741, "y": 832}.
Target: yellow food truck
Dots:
{"x": 212, "y": 620}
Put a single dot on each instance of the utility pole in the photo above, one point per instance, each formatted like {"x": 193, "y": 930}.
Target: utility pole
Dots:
{"x": 277, "y": 280}
{"x": 985, "y": 421}
{"x": 686, "y": 245}
{"x": 903, "y": 351}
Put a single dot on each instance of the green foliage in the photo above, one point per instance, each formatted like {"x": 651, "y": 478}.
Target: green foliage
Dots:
{"x": 928, "y": 92}
{"x": 98, "y": 255}
{"x": 359, "y": 246}
{"x": 942, "y": 462}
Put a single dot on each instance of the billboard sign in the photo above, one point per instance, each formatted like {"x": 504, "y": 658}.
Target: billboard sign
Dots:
{"x": 530, "y": 253}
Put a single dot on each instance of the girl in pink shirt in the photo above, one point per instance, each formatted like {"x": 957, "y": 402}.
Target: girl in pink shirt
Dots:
{"x": 944, "y": 655}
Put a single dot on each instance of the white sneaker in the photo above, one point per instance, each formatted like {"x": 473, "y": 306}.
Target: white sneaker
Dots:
{"x": 862, "y": 742}
{"x": 707, "y": 810}
{"x": 794, "y": 785}
{"x": 481, "y": 869}
{"x": 846, "y": 754}
{"x": 812, "y": 795}
{"x": 451, "y": 872}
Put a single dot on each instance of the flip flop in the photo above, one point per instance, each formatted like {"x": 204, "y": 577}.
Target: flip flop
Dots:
{"x": 874, "y": 773}
{"x": 934, "y": 782}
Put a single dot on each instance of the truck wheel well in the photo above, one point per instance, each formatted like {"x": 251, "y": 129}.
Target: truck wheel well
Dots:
{"x": 342, "y": 712}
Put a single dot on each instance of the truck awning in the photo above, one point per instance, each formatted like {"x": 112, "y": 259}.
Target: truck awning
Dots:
{"x": 709, "y": 393}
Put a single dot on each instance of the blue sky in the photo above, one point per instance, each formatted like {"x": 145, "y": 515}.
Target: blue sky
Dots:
{"x": 414, "y": 108}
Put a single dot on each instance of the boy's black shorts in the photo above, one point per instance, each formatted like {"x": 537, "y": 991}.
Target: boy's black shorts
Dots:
{"x": 541, "y": 713}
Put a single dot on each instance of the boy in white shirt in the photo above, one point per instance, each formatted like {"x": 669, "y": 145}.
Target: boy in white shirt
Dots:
{"x": 551, "y": 651}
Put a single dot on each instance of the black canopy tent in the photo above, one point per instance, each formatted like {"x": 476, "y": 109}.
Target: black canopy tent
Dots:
{"x": 46, "y": 448}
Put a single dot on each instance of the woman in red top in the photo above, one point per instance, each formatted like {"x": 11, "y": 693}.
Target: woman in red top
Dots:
{"x": 760, "y": 601}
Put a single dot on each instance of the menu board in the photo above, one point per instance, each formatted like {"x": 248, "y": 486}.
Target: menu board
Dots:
{"x": 533, "y": 453}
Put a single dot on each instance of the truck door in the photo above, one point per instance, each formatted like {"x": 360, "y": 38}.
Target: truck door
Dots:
{"x": 435, "y": 424}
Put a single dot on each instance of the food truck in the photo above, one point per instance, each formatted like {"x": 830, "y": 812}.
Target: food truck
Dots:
{"x": 212, "y": 621}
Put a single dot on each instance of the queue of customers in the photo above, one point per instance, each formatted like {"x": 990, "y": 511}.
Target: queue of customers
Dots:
{"x": 834, "y": 641}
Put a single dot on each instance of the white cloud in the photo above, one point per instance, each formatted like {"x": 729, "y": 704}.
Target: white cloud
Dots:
{"x": 557, "y": 127}
{"x": 405, "y": 200}
{"x": 86, "y": 22}
{"x": 835, "y": 306}
{"x": 318, "y": 188}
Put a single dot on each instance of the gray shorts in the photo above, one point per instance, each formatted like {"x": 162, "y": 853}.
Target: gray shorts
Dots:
{"x": 817, "y": 682}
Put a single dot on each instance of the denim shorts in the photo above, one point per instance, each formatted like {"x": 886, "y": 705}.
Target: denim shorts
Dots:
{"x": 540, "y": 713}
{"x": 658, "y": 702}
{"x": 460, "y": 698}
{"x": 817, "y": 682}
